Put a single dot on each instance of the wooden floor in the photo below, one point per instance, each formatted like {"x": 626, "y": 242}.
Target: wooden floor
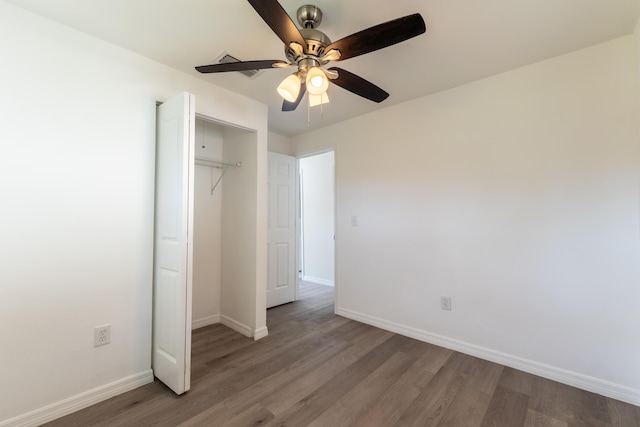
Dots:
{"x": 319, "y": 369}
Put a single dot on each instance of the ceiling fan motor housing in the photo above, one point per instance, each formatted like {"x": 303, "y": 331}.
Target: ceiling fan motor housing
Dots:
{"x": 315, "y": 40}
{"x": 309, "y": 17}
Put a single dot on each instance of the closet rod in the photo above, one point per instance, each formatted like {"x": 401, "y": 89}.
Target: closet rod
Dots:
{"x": 208, "y": 162}
{"x": 218, "y": 164}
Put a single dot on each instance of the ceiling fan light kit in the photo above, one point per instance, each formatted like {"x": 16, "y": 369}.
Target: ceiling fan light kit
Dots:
{"x": 290, "y": 87}
{"x": 310, "y": 50}
{"x": 317, "y": 82}
{"x": 315, "y": 100}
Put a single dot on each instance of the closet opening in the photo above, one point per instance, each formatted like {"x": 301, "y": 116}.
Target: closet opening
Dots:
{"x": 206, "y": 234}
{"x": 224, "y": 270}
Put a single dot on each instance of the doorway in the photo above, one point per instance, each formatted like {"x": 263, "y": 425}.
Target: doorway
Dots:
{"x": 215, "y": 173}
{"x": 224, "y": 268}
{"x": 317, "y": 218}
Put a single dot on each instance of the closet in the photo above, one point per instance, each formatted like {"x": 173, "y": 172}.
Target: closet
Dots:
{"x": 209, "y": 235}
{"x": 224, "y": 214}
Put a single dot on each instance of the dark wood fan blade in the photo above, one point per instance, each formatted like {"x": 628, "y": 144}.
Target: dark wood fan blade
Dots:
{"x": 290, "y": 106}
{"x": 278, "y": 20}
{"x": 358, "y": 85}
{"x": 241, "y": 66}
{"x": 379, "y": 37}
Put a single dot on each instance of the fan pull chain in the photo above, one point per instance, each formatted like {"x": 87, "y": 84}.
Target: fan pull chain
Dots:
{"x": 309, "y": 110}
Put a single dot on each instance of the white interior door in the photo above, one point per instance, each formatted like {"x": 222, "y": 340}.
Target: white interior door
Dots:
{"x": 173, "y": 248}
{"x": 281, "y": 287}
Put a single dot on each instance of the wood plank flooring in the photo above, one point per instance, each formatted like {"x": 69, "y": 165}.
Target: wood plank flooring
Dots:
{"x": 319, "y": 369}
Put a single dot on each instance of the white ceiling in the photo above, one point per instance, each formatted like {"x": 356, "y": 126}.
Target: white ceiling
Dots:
{"x": 466, "y": 40}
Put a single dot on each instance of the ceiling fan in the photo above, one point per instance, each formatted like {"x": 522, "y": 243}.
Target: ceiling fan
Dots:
{"x": 310, "y": 50}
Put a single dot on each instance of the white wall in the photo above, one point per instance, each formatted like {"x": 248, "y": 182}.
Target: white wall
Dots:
{"x": 224, "y": 269}
{"x": 279, "y": 144}
{"x": 636, "y": 36}
{"x": 207, "y": 239}
{"x": 316, "y": 176}
{"x": 518, "y": 196}
{"x": 238, "y": 230}
{"x": 77, "y": 210}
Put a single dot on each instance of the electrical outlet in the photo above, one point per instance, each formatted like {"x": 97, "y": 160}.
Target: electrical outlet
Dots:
{"x": 101, "y": 335}
{"x": 445, "y": 303}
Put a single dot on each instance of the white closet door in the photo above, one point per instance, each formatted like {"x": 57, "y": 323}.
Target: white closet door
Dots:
{"x": 172, "y": 279}
{"x": 281, "y": 286}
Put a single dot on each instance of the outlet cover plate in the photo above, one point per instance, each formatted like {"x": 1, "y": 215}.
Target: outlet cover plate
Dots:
{"x": 445, "y": 303}
{"x": 101, "y": 335}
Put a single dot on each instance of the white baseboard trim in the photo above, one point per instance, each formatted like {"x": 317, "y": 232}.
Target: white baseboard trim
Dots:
{"x": 318, "y": 281}
{"x": 236, "y": 326}
{"x": 80, "y": 401}
{"x": 242, "y": 328}
{"x": 205, "y": 321}
{"x": 574, "y": 379}
{"x": 260, "y": 333}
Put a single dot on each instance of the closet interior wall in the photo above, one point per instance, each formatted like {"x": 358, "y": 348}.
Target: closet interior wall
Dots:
{"x": 207, "y": 239}
{"x": 224, "y": 251}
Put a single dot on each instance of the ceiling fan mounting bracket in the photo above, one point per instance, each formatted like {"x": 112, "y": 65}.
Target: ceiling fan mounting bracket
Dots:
{"x": 309, "y": 16}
